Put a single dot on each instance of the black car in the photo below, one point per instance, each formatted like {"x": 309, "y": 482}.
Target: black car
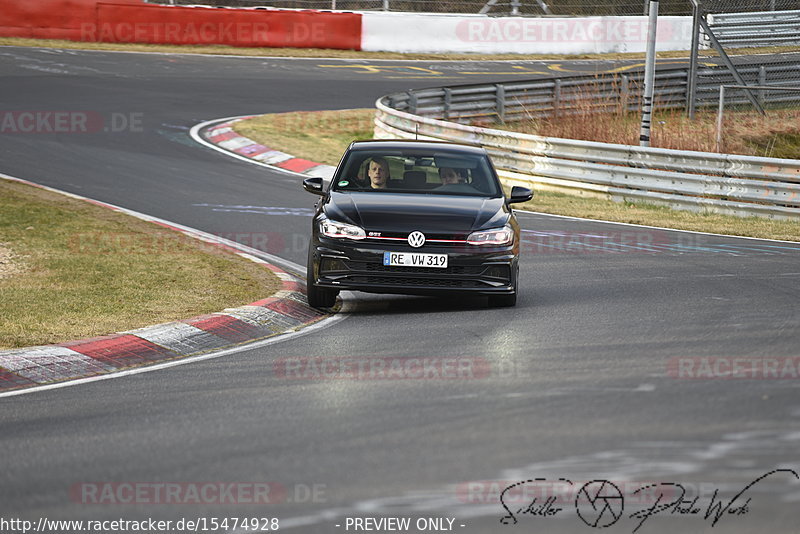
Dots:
{"x": 414, "y": 217}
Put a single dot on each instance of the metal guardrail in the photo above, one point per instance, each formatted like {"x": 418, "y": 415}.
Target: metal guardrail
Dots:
{"x": 517, "y": 100}
{"x": 739, "y": 185}
{"x": 763, "y": 28}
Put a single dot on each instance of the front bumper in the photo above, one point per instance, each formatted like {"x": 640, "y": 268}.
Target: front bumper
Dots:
{"x": 359, "y": 266}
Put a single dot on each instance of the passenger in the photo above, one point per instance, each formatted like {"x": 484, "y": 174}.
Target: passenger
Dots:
{"x": 378, "y": 173}
{"x": 451, "y": 176}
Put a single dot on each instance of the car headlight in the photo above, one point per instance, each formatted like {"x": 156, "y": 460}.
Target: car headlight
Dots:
{"x": 495, "y": 237}
{"x": 340, "y": 230}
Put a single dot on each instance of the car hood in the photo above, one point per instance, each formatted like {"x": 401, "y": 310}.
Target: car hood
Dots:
{"x": 398, "y": 212}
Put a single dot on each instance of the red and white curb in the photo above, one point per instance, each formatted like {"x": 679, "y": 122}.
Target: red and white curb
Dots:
{"x": 220, "y": 135}
{"x": 285, "y": 311}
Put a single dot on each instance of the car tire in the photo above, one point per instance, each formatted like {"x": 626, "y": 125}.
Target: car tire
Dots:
{"x": 318, "y": 297}
{"x": 506, "y": 301}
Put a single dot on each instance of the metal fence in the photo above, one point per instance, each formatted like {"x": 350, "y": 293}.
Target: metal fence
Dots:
{"x": 728, "y": 32}
{"x": 765, "y": 28}
{"x": 507, "y": 7}
{"x": 738, "y": 185}
{"x": 512, "y": 101}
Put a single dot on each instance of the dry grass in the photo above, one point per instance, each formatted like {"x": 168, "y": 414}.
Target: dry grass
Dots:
{"x": 745, "y": 132}
{"x": 89, "y": 271}
{"x": 351, "y": 54}
{"x": 10, "y": 264}
{"x": 323, "y": 137}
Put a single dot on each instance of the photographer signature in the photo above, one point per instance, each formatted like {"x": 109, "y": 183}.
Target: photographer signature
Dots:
{"x": 600, "y": 503}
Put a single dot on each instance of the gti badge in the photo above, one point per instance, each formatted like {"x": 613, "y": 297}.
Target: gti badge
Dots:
{"x": 416, "y": 239}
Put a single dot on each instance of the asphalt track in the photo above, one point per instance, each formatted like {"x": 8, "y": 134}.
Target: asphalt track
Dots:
{"x": 579, "y": 383}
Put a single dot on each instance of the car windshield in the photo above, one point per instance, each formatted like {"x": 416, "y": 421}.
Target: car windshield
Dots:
{"x": 431, "y": 172}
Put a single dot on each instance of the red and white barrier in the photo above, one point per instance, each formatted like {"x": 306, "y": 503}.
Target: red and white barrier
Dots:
{"x": 133, "y": 21}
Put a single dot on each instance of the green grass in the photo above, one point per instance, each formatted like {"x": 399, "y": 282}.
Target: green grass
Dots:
{"x": 323, "y": 136}
{"x": 776, "y": 144}
{"x": 320, "y": 136}
{"x": 79, "y": 270}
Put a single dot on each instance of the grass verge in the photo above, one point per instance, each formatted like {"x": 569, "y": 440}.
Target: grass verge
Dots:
{"x": 351, "y": 54}
{"x": 75, "y": 270}
{"x": 775, "y": 135}
{"x": 323, "y": 136}
{"x": 319, "y": 136}
{"x": 661, "y": 216}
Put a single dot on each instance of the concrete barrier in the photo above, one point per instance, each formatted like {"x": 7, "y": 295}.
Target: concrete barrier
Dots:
{"x": 426, "y": 33}
{"x": 133, "y": 21}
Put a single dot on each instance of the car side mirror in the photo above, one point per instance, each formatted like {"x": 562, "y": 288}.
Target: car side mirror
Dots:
{"x": 520, "y": 194}
{"x": 314, "y": 185}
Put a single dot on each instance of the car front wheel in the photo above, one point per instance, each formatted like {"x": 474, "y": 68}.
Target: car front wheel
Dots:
{"x": 318, "y": 297}
{"x": 506, "y": 301}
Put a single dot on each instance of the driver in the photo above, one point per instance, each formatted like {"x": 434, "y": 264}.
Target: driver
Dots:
{"x": 378, "y": 173}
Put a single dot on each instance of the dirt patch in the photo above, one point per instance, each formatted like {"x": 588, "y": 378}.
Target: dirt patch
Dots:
{"x": 10, "y": 264}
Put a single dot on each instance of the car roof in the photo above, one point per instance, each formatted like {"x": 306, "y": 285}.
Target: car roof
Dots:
{"x": 399, "y": 144}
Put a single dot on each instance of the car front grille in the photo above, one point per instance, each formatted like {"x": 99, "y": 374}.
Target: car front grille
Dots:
{"x": 380, "y": 268}
{"x": 365, "y": 273}
{"x": 416, "y": 282}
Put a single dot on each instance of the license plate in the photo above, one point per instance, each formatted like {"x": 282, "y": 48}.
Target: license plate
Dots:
{"x": 414, "y": 259}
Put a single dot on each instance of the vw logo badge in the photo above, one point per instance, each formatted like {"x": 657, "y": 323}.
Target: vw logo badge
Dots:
{"x": 416, "y": 239}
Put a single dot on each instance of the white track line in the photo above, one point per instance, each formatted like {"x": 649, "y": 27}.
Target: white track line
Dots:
{"x": 522, "y": 58}
{"x": 325, "y": 323}
{"x": 283, "y": 263}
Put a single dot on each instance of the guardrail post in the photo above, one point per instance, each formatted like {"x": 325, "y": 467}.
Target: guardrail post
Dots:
{"x": 412, "y": 102}
{"x": 500, "y": 102}
{"x": 649, "y": 75}
{"x": 762, "y": 80}
{"x": 556, "y": 97}
{"x": 720, "y": 111}
{"x": 691, "y": 77}
{"x": 448, "y": 100}
{"x": 624, "y": 93}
